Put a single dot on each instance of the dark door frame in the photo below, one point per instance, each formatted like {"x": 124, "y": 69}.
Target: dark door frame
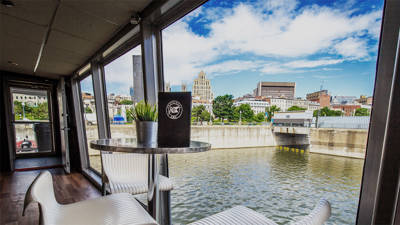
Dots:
{"x": 21, "y": 81}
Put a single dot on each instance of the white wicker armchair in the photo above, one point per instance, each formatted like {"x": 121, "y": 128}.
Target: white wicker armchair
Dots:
{"x": 241, "y": 215}
{"x": 115, "y": 209}
{"x": 128, "y": 173}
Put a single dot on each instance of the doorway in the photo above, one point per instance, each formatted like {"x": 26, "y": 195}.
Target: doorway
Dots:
{"x": 31, "y": 121}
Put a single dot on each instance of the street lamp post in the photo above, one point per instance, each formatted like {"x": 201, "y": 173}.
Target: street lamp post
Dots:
{"x": 23, "y": 110}
{"x": 240, "y": 117}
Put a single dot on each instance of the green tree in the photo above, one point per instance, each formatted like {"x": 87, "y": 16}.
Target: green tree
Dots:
{"x": 361, "y": 112}
{"x": 88, "y": 110}
{"x": 260, "y": 117}
{"x": 247, "y": 113}
{"x": 327, "y": 112}
{"x": 197, "y": 111}
{"x": 296, "y": 108}
{"x": 271, "y": 111}
{"x": 126, "y": 102}
{"x": 205, "y": 116}
{"x": 223, "y": 107}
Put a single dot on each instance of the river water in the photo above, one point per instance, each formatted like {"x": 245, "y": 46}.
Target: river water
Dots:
{"x": 282, "y": 185}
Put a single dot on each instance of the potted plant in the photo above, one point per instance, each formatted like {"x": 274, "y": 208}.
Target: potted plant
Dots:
{"x": 145, "y": 116}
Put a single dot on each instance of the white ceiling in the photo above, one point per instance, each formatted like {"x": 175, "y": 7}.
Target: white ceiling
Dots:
{"x": 80, "y": 28}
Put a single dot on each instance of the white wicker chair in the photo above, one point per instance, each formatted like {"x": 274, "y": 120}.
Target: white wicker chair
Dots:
{"x": 118, "y": 209}
{"x": 128, "y": 173}
{"x": 241, "y": 215}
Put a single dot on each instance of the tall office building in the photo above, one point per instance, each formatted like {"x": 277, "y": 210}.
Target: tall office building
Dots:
{"x": 275, "y": 89}
{"x": 137, "y": 78}
{"x": 202, "y": 88}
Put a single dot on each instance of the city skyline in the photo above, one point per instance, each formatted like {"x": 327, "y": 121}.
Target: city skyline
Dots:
{"x": 240, "y": 43}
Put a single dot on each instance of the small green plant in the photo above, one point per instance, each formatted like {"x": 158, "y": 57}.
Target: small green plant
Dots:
{"x": 144, "y": 111}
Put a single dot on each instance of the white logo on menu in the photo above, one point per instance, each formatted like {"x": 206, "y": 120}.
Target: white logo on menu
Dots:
{"x": 174, "y": 109}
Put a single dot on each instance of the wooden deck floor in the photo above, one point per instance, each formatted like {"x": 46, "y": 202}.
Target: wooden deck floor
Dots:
{"x": 68, "y": 188}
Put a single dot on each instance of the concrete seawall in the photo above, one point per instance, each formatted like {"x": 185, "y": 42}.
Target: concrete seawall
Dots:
{"x": 331, "y": 141}
{"x": 234, "y": 136}
{"x": 342, "y": 142}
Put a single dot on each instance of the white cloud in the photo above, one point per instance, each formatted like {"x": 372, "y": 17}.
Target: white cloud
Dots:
{"x": 272, "y": 29}
{"x": 232, "y": 66}
{"x": 352, "y": 48}
{"x": 312, "y": 63}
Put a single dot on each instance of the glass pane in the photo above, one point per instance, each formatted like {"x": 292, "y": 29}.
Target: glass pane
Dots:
{"x": 30, "y": 105}
{"x": 124, "y": 86}
{"x": 33, "y": 137}
{"x": 90, "y": 118}
{"x": 301, "y": 73}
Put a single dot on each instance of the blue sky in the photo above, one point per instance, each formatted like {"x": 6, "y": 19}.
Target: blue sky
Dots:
{"x": 239, "y": 43}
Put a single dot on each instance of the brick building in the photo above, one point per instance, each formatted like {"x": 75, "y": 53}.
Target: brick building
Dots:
{"x": 322, "y": 97}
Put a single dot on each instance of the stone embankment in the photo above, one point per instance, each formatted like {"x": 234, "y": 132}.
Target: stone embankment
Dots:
{"x": 331, "y": 141}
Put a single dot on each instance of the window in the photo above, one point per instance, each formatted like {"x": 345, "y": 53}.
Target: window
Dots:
{"x": 273, "y": 44}
{"x": 88, "y": 103}
{"x": 124, "y": 88}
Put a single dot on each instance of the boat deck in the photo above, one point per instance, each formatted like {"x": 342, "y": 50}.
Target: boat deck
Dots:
{"x": 68, "y": 188}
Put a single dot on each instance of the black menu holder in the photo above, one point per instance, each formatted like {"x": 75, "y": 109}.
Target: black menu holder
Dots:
{"x": 174, "y": 112}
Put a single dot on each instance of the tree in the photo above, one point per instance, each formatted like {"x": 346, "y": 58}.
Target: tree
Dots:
{"x": 260, "y": 117}
{"x": 271, "y": 111}
{"x": 296, "y": 108}
{"x": 223, "y": 107}
{"x": 247, "y": 112}
{"x": 126, "y": 102}
{"x": 197, "y": 111}
{"x": 361, "y": 112}
{"x": 205, "y": 116}
{"x": 88, "y": 110}
{"x": 327, "y": 112}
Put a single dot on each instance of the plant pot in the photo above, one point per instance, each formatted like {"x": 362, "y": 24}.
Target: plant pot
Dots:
{"x": 146, "y": 133}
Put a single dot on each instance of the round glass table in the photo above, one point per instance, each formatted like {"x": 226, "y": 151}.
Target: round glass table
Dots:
{"x": 129, "y": 145}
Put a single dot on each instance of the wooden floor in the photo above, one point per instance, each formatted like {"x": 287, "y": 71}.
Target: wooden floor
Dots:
{"x": 68, "y": 188}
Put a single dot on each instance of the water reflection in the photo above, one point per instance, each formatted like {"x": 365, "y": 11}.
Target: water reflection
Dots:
{"x": 281, "y": 184}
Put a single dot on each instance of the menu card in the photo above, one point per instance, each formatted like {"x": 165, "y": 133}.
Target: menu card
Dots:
{"x": 174, "y": 112}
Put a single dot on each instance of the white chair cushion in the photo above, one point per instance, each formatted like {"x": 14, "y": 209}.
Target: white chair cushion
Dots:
{"x": 140, "y": 187}
{"x": 117, "y": 209}
{"x": 238, "y": 215}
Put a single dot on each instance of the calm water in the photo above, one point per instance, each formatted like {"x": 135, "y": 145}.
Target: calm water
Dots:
{"x": 279, "y": 184}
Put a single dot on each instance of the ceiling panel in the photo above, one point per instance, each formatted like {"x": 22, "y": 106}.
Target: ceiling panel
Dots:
{"x": 34, "y": 11}
{"x": 80, "y": 28}
{"x": 21, "y": 29}
{"x": 114, "y": 11}
{"x": 20, "y": 51}
{"x": 70, "y": 43}
{"x": 83, "y": 25}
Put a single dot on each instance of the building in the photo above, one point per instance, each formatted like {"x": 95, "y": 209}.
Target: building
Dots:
{"x": 275, "y": 89}
{"x": 343, "y": 100}
{"x": 31, "y": 100}
{"x": 348, "y": 110}
{"x": 258, "y": 105}
{"x": 167, "y": 87}
{"x": 293, "y": 119}
{"x": 284, "y": 104}
{"x": 364, "y": 100}
{"x": 137, "y": 78}
{"x": 322, "y": 97}
{"x": 184, "y": 87}
{"x": 202, "y": 87}
{"x": 207, "y": 104}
